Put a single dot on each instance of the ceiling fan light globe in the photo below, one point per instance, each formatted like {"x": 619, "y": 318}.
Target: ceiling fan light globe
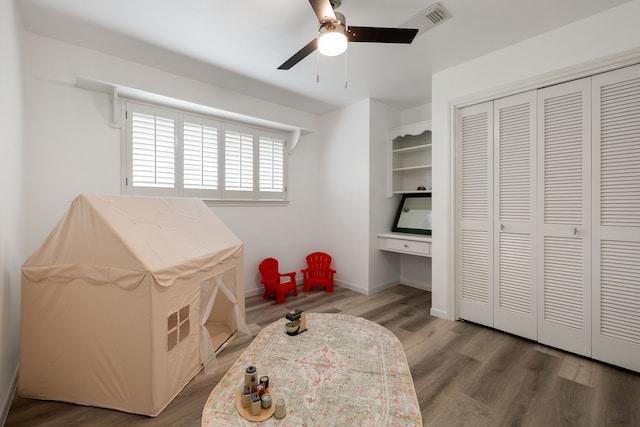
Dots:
{"x": 332, "y": 43}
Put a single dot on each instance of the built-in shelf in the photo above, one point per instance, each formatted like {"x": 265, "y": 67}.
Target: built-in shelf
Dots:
{"x": 409, "y": 168}
{"x": 414, "y": 149}
{"x": 409, "y": 158}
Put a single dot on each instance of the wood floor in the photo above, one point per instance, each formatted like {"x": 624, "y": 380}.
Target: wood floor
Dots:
{"x": 464, "y": 374}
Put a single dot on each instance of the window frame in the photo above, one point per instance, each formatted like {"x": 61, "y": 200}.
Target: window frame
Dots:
{"x": 221, "y": 195}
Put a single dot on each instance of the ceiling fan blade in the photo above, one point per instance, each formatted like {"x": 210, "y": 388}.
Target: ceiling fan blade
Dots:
{"x": 323, "y": 10}
{"x": 300, "y": 55}
{"x": 382, "y": 35}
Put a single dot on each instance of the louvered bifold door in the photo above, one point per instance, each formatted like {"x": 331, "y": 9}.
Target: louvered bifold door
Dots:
{"x": 616, "y": 218}
{"x": 514, "y": 225}
{"x": 474, "y": 181}
{"x": 564, "y": 216}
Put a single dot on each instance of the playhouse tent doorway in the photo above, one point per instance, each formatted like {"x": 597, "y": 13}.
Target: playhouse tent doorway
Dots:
{"x": 126, "y": 300}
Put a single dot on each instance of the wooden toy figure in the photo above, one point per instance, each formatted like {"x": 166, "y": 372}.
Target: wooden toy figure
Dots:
{"x": 297, "y": 322}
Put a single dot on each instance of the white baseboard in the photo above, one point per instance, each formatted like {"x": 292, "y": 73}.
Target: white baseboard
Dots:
{"x": 5, "y": 404}
{"x": 260, "y": 289}
{"x": 352, "y": 286}
{"x": 382, "y": 287}
{"x": 253, "y": 292}
{"x": 440, "y": 313}
{"x": 416, "y": 284}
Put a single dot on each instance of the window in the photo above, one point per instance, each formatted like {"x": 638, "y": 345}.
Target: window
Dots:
{"x": 173, "y": 153}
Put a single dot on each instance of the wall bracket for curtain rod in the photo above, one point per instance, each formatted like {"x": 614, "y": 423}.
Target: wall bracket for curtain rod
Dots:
{"x": 111, "y": 90}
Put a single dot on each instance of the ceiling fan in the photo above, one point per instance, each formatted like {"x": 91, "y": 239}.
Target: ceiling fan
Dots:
{"x": 334, "y": 34}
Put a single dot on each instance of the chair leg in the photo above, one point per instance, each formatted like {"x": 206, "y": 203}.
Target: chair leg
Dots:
{"x": 280, "y": 295}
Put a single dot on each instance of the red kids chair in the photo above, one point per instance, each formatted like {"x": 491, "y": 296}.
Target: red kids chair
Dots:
{"x": 318, "y": 272}
{"x": 271, "y": 279}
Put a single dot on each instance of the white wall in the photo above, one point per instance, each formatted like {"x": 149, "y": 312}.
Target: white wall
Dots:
{"x": 384, "y": 267}
{"x": 613, "y": 32}
{"x": 344, "y": 193}
{"x": 415, "y": 271}
{"x": 71, "y": 149}
{"x": 11, "y": 146}
{"x": 416, "y": 114}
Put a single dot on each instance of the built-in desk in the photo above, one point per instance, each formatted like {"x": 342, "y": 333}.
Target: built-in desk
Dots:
{"x": 411, "y": 244}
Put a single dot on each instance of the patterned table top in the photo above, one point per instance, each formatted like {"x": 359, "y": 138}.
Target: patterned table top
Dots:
{"x": 343, "y": 371}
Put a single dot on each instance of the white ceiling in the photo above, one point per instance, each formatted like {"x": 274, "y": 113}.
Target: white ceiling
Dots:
{"x": 238, "y": 44}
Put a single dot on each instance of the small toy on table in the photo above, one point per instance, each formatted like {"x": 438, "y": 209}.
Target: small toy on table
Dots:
{"x": 254, "y": 398}
{"x": 297, "y": 322}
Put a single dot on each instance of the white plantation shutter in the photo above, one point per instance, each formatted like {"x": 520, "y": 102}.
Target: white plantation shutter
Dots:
{"x": 153, "y": 147}
{"x": 173, "y": 153}
{"x": 271, "y": 165}
{"x": 200, "y": 154}
{"x": 238, "y": 160}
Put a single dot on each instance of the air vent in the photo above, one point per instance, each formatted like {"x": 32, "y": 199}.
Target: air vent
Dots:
{"x": 428, "y": 18}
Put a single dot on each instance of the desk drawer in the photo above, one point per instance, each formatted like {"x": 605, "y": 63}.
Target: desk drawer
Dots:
{"x": 406, "y": 246}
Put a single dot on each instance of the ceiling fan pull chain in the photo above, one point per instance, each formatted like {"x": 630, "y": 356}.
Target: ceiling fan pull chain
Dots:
{"x": 345, "y": 70}
{"x": 318, "y": 65}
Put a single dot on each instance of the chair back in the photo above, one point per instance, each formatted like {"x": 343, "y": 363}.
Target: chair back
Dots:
{"x": 269, "y": 270}
{"x": 319, "y": 264}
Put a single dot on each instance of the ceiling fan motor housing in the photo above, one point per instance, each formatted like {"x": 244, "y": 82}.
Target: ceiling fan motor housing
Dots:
{"x": 341, "y": 23}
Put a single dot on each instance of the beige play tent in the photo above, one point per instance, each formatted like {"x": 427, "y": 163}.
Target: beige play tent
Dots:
{"x": 125, "y": 301}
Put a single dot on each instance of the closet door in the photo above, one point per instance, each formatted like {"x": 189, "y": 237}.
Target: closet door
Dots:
{"x": 474, "y": 275}
{"x": 616, "y": 217}
{"x": 514, "y": 228}
{"x": 564, "y": 216}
